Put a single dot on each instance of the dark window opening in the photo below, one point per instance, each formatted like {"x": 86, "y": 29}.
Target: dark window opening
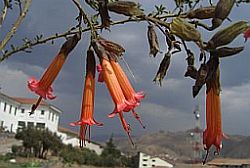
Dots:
{"x": 15, "y": 111}
{"x": 30, "y": 124}
{"x": 40, "y": 125}
{"x": 5, "y": 105}
{"x": 10, "y": 109}
{"x": 42, "y": 112}
{"x": 21, "y": 125}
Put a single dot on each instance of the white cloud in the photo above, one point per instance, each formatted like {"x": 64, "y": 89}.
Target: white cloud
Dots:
{"x": 13, "y": 82}
{"x": 236, "y": 99}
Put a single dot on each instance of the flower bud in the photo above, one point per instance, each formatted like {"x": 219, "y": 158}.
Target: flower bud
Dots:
{"x": 200, "y": 79}
{"x": 103, "y": 10}
{"x": 201, "y": 13}
{"x": 184, "y": 30}
{"x": 153, "y": 41}
{"x": 163, "y": 68}
{"x": 127, "y": 8}
{"x": 115, "y": 49}
{"x": 226, "y": 51}
{"x": 222, "y": 10}
{"x": 227, "y": 35}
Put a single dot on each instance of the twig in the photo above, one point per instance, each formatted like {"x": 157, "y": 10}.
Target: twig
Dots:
{"x": 13, "y": 30}
{"x": 4, "y": 12}
{"x": 34, "y": 43}
{"x": 85, "y": 17}
{"x": 65, "y": 34}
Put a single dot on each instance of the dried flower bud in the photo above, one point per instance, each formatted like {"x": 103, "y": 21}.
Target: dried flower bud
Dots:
{"x": 214, "y": 80}
{"x": 103, "y": 10}
{"x": 190, "y": 59}
{"x": 115, "y": 50}
{"x": 227, "y": 35}
{"x": 222, "y": 10}
{"x": 200, "y": 79}
{"x": 212, "y": 64}
{"x": 226, "y": 51}
{"x": 99, "y": 50}
{"x": 127, "y": 8}
{"x": 90, "y": 62}
{"x": 184, "y": 30}
{"x": 201, "y": 13}
{"x": 153, "y": 41}
{"x": 191, "y": 72}
{"x": 163, "y": 68}
{"x": 70, "y": 44}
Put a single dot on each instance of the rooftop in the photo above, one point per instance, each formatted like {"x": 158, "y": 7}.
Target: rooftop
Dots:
{"x": 229, "y": 162}
{"x": 29, "y": 101}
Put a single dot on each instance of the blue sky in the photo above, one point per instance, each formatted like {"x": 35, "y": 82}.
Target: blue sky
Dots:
{"x": 166, "y": 108}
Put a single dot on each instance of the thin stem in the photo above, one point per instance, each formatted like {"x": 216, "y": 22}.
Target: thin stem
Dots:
{"x": 4, "y": 12}
{"x": 13, "y": 30}
{"x": 73, "y": 31}
{"x": 85, "y": 17}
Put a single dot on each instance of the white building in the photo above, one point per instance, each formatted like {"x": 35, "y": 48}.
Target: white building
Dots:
{"x": 70, "y": 137}
{"x": 147, "y": 161}
{"x": 14, "y": 114}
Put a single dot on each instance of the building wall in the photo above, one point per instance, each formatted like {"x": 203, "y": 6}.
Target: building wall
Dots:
{"x": 14, "y": 114}
{"x": 75, "y": 143}
{"x": 146, "y": 161}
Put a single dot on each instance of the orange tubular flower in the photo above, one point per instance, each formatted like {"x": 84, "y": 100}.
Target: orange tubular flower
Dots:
{"x": 213, "y": 134}
{"x": 131, "y": 96}
{"x": 43, "y": 87}
{"x": 247, "y": 34}
{"x": 109, "y": 77}
{"x": 87, "y": 119}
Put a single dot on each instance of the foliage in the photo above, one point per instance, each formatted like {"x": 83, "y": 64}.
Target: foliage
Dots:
{"x": 37, "y": 142}
{"x": 83, "y": 156}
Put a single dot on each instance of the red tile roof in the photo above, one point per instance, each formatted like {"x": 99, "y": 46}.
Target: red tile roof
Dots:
{"x": 29, "y": 101}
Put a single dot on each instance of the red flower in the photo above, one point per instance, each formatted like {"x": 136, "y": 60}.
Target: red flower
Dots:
{"x": 43, "y": 87}
{"x": 247, "y": 34}
{"x": 213, "y": 134}
{"x": 131, "y": 96}
{"x": 87, "y": 119}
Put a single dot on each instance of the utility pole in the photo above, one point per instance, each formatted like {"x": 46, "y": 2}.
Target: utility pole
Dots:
{"x": 196, "y": 135}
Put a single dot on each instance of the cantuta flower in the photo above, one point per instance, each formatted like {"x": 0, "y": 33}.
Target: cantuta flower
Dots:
{"x": 213, "y": 133}
{"x": 131, "y": 96}
{"x": 43, "y": 86}
{"x": 87, "y": 119}
{"x": 114, "y": 88}
{"x": 247, "y": 34}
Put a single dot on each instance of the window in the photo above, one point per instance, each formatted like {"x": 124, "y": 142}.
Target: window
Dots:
{"x": 144, "y": 164}
{"x": 11, "y": 128}
{"x": 40, "y": 125}
{"x": 144, "y": 160}
{"x": 5, "y": 105}
{"x": 22, "y": 111}
{"x": 30, "y": 124}
{"x": 1, "y": 124}
{"x": 52, "y": 116}
{"x": 10, "y": 109}
{"x": 153, "y": 165}
{"x": 15, "y": 111}
{"x": 49, "y": 115}
{"x": 21, "y": 124}
{"x": 42, "y": 112}
{"x": 153, "y": 160}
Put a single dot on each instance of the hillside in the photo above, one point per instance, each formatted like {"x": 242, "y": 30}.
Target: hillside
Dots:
{"x": 178, "y": 146}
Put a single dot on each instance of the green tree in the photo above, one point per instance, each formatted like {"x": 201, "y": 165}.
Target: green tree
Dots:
{"x": 38, "y": 143}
